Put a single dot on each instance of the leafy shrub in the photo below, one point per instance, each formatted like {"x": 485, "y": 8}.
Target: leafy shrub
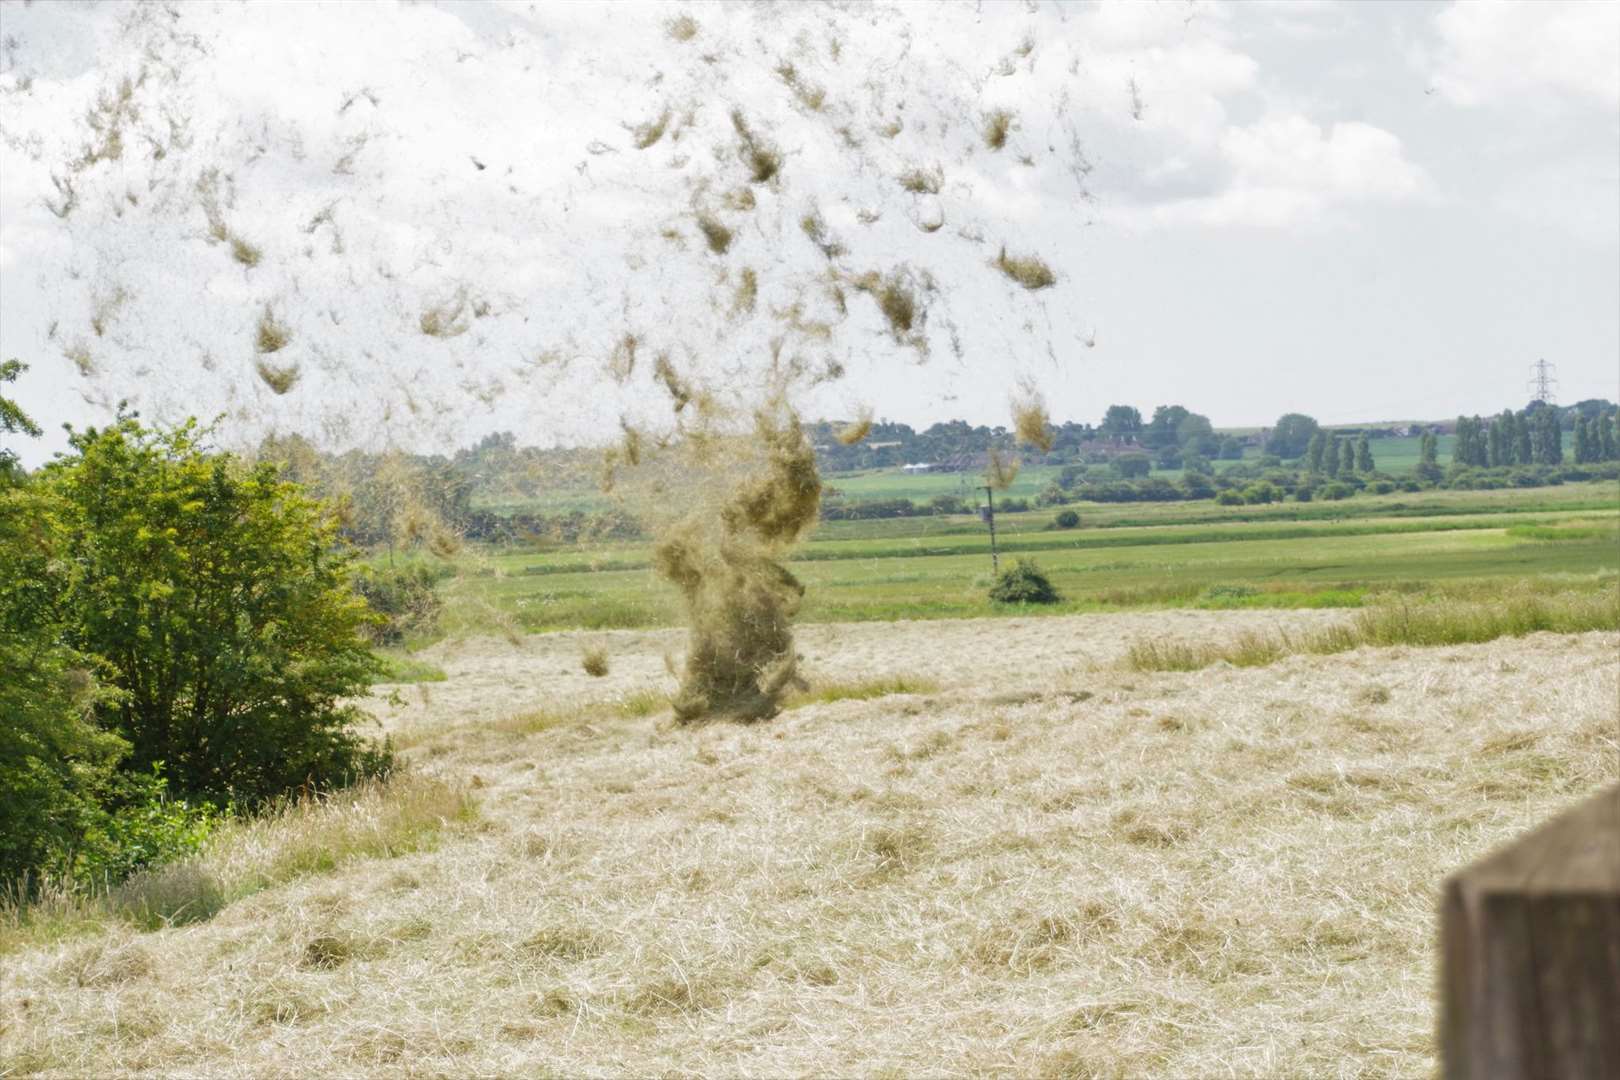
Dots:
{"x": 402, "y": 598}
{"x": 1335, "y": 492}
{"x": 1023, "y": 583}
{"x": 1067, "y": 519}
{"x": 595, "y": 661}
{"x": 218, "y": 599}
{"x": 1229, "y": 498}
{"x": 149, "y": 830}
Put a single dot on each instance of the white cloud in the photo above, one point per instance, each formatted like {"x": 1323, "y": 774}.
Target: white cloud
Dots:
{"x": 1286, "y": 170}
{"x": 1494, "y": 52}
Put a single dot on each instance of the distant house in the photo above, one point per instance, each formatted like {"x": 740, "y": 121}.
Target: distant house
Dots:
{"x": 882, "y": 445}
{"x": 917, "y": 468}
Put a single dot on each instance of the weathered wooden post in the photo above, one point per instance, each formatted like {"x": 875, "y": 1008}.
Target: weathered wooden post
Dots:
{"x": 1530, "y": 985}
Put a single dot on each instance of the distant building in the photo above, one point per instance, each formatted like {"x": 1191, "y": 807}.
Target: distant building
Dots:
{"x": 882, "y": 445}
{"x": 917, "y": 468}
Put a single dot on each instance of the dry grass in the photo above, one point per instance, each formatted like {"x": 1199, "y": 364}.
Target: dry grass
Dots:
{"x": 594, "y": 661}
{"x": 715, "y": 233}
{"x": 742, "y": 302}
{"x": 764, "y": 161}
{"x": 1001, "y": 470}
{"x": 920, "y": 181}
{"x": 1031, "y": 422}
{"x": 1030, "y": 271}
{"x": 278, "y": 379}
{"x": 643, "y": 136}
{"x": 896, "y": 299}
{"x": 682, "y": 27}
{"x": 858, "y": 428}
{"x": 244, "y": 252}
{"x": 998, "y": 124}
{"x": 271, "y": 334}
{"x": 1106, "y": 874}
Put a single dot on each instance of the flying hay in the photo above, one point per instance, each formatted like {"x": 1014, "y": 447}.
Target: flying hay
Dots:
{"x": 1001, "y": 470}
{"x": 858, "y": 428}
{"x": 1030, "y": 419}
{"x": 740, "y": 600}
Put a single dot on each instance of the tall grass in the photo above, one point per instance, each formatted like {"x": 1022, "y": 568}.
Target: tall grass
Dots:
{"x": 378, "y": 819}
{"x": 1405, "y": 622}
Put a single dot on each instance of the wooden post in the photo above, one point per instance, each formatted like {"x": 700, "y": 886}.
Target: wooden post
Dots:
{"x": 1530, "y": 983}
{"x": 990, "y": 516}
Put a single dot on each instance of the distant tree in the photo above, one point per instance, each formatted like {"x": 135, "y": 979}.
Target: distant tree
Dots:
{"x": 1494, "y": 452}
{"x": 1193, "y": 462}
{"x": 1121, "y": 422}
{"x": 1162, "y": 429}
{"x": 1364, "y": 457}
{"x": 1524, "y": 440}
{"x": 1548, "y": 437}
{"x": 1133, "y": 465}
{"x": 1231, "y": 448}
{"x": 1609, "y": 435}
{"x": 1331, "y": 462}
{"x": 1582, "y": 447}
{"x": 1292, "y": 435}
{"x": 1196, "y": 433}
{"x": 1316, "y": 452}
{"x": 1428, "y": 466}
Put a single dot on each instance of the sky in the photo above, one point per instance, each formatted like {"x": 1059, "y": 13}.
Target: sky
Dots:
{"x": 1361, "y": 211}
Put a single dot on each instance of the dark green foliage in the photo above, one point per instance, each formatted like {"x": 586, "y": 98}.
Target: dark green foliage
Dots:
{"x": 403, "y": 599}
{"x": 1364, "y": 457}
{"x": 1067, "y": 519}
{"x": 1291, "y": 436}
{"x": 217, "y": 598}
{"x": 1023, "y": 583}
{"x": 1134, "y": 464}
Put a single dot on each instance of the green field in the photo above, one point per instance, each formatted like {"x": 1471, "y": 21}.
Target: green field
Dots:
{"x": 1135, "y": 555}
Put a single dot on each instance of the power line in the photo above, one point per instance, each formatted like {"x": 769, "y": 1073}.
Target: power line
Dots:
{"x": 1542, "y": 381}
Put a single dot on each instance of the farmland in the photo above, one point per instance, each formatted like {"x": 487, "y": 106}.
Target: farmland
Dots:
{"x": 1122, "y": 557}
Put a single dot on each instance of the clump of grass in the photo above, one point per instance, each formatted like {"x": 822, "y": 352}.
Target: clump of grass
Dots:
{"x": 809, "y": 95}
{"x": 279, "y": 379}
{"x": 403, "y": 668}
{"x": 244, "y": 252}
{"x": 445, "y": 320}
{"x": 763, "y": 159}
{"x": 664, "y": 372}
{"x": 998, "y": 124}
{"x": 920, "y": 181}
{"x": 682, "y": 27}
{"x": 1030, "y": 419}
{"x": 816, "y": 229}
{"x": 895, "y": 298}
{"x": 272, "y": 335}
{"x": 79, "y": 354}
{"x": 622, "y": 360}
{"x": 858, "y": 428}
{"x": 747, "y": 292}
{"x": 1023, "y": 583}
{"x": 714, "y": 232}
{"x": 646, "y": 135}
{"x": 595, "y": 661}
{"x": 1030, "y": 271}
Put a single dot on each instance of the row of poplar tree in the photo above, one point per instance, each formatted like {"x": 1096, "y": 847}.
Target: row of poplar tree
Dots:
{"x": 1533, "y": 438}
{"x": 1328, "y": 455}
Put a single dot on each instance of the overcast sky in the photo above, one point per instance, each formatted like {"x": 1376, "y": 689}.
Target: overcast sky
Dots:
{"x": 1357, "y": 210}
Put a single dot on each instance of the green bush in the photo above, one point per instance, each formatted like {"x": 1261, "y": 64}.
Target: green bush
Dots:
{"x": 149, "y": 829}
{"x": 1023, "y": 583}
{"x": 1229, "y": 497}
{"x": 218, "y": 600}
{"x": 1067, "y": 519}
{"x": 404, "y": 600}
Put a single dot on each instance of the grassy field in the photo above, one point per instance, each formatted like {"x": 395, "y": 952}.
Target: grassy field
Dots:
{"x": 1130, "y": 556}
{"x": 977, "y": 847}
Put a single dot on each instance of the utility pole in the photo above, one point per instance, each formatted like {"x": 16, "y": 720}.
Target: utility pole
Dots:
{"x": 1542, "y": 381}
{"x": 990, "y": 517}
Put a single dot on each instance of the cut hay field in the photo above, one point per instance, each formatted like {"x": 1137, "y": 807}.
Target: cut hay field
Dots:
{"x": 1122, "y": 557}
{"x": 977, "y": 846}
